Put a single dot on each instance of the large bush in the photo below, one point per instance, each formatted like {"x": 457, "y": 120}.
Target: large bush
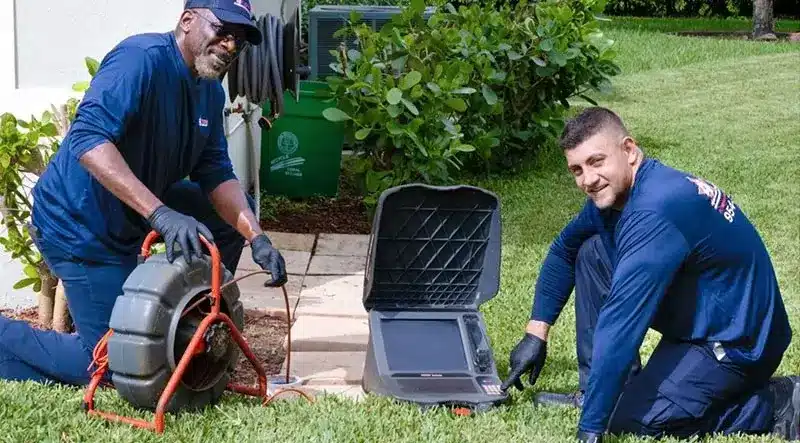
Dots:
{"x": 479, "y": 86}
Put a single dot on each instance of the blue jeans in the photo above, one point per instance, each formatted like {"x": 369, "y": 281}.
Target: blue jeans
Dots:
{"x": 91, "y": 288}
{"x": 684, "y": 389}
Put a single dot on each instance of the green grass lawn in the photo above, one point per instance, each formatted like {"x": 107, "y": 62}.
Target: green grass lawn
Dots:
{"x": 724, "y": 110}
{"x": 645, "y": 51}
{"x": 697, "y": 24}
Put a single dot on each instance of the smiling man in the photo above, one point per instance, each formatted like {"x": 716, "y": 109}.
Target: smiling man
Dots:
{"x": 655, "y": 247}
{"x": 146, "y": 151}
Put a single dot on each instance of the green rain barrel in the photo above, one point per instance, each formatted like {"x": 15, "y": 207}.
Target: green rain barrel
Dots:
{"x": 301, "y": 153}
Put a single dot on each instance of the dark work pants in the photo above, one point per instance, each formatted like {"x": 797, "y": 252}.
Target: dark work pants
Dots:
{"x": 684, "y": 389}
{"x": 91, "y": 288}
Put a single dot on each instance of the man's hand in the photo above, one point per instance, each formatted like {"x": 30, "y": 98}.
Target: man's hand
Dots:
{"x": 183, "y": 229}
{"x": 269, "y": 259}
{"x": 589, "y": 437}
{"x": 528, "y": 355}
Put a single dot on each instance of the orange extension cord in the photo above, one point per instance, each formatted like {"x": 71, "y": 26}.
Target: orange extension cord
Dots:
{"x": 100, "y": 352}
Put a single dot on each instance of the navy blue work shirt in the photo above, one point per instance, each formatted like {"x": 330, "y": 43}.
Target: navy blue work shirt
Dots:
{"x": 167, "y": 125}
{"x": 687, "y": 262}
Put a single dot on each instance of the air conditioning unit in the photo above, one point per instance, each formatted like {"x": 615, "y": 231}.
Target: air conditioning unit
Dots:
{"x": 325, "y": 20}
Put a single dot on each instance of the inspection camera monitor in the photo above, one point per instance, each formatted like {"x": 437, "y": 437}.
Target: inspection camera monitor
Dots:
{"x": 434, "y": 258}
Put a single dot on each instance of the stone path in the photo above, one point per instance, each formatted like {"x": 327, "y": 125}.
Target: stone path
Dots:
{"x": 329, "y": 330}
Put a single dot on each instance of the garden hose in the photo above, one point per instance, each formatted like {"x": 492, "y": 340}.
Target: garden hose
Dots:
{"x": 264, "y": 72}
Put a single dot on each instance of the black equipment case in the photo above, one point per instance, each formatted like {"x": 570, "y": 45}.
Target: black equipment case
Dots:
{"x": 434, "y": 258}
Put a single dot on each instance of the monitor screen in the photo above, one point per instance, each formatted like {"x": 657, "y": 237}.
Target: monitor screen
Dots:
{"x": 423, "y": 345}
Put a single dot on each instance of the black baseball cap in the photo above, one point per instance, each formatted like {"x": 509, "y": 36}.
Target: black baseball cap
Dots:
{"x": 231, "y": 11}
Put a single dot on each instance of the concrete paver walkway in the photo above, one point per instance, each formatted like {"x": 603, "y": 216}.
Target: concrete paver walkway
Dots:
{"x": 325, "y": 287}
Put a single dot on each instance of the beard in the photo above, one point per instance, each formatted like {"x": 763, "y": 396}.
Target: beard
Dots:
{"x": 210, "y": 65}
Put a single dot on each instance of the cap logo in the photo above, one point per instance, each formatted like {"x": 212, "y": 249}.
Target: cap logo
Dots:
{"x": 244, "y": 4}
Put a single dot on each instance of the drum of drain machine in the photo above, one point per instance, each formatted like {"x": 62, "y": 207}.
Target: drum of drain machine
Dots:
{"x": 154, "y": 319}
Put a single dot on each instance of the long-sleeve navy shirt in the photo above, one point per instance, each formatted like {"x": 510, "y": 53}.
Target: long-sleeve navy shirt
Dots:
{"x": 166, "y": 124}
{"x": 686, "y": 262}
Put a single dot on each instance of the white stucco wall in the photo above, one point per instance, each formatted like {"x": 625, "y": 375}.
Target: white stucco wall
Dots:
{"x": 8, "y": 73}
{"x": 54, "y": 37}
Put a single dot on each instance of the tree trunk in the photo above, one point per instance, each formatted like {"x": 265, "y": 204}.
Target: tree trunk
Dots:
{"x": 762, "y": 19}
{"x": 47, "y": 296}
{"x": 61, "y": 319}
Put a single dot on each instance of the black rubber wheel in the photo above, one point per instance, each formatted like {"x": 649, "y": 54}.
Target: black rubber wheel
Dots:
{"x": 151, "y": 332}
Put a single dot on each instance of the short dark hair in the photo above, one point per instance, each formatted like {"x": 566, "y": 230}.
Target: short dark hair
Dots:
{"x": 588, "y": 123}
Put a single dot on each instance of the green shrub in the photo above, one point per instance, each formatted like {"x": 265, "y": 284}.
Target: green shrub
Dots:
{"x": 477, "y": 87}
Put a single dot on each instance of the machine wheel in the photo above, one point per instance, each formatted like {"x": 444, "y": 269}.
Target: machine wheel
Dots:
{"x": 151, "y": 333}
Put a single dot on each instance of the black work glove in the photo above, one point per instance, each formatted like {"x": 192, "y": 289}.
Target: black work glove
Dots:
{"x": 181, "y": 228}
{"x": 269, "y": 259}
{"x": 528, "y": 355}
{"x": 589, "y": 437}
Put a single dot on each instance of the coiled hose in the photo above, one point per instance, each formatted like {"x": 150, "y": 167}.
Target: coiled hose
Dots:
{"x": 263, "y": 72}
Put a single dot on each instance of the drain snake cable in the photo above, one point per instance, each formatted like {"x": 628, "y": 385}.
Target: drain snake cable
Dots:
{"x": 100, "y": 352}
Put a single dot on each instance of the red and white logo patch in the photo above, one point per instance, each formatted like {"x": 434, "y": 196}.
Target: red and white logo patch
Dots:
{"x": 718, "y": 199}
{"x": 244, "y": 4}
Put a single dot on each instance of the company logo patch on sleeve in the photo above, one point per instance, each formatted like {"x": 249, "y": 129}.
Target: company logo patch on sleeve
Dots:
{"x": 718, "y": 199}
{"x": 202, "y": 122}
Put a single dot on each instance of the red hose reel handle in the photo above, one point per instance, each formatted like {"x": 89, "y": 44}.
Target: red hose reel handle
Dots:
{"x": 215, "y": 263}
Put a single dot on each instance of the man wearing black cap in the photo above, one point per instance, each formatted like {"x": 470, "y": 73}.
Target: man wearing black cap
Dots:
{"x": 152, "y": 118}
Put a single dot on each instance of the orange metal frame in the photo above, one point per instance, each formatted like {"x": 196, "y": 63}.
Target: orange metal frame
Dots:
{"x": 195, "y": 346}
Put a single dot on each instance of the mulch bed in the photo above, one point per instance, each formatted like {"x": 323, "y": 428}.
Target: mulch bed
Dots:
{"x": 343, "y": 214}
{"x": 264, "y": 332}
{"x": 30, "y": 315}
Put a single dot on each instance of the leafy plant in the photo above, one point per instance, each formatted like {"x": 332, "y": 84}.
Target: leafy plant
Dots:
{"x": 26, "y": 147}
{"x": 474, "y": 87}
{"x": 24, "y": 151}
